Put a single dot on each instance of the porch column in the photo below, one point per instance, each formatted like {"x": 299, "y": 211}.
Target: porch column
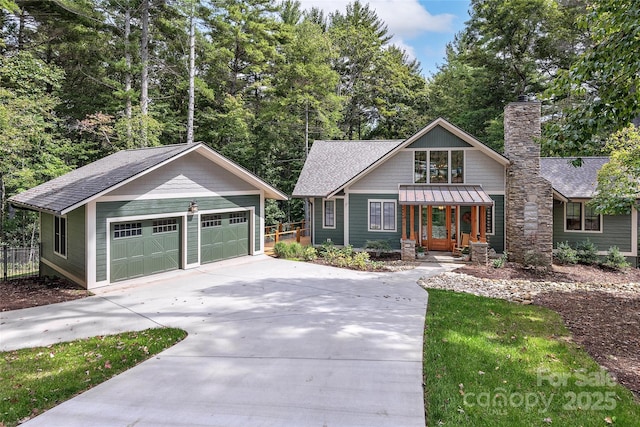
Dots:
{"x": 474, "y": 224}
{"x": 483, "y": 224}
{"x": 404, "y": 222}
{"x": 412, "y": 235}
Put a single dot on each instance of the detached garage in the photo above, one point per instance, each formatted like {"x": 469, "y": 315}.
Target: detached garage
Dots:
{"x": 140, "y": 212}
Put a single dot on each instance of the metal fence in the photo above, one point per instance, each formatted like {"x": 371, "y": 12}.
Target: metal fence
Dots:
{"x": 19, "y": 262}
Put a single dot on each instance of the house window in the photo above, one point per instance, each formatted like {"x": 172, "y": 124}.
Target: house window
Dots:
{"x": 165, "y": 226}
{"x": 581, "y": 217}
{"x": 439, "y": 167}
{"x": 329, "y": 214}
{"x": 591, "y": 219}
{"x": 382, "y": 215}
{"x": 420, "y": 167}
{"x": 211, "y": 221}
{"x": 238, "y": 218}
{"x": 457, "y": 167}
{"x": 442, "y": 167}
{"x": 129, "y": 229}
{"x": 489, "y": 222}
{"x": 60, "y": 236}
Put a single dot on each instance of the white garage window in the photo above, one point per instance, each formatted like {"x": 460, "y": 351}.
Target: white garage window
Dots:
{"x": 165, "y": 226}
{"x": 211, "y": 221}
{"x": 238, "y": 218}
{"x": 129, "y": 229}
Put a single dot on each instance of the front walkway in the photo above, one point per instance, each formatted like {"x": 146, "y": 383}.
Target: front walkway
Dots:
{"x": 271, "y": 343}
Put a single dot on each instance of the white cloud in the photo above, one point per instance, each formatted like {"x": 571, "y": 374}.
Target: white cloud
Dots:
{"x": 405, "y": 19}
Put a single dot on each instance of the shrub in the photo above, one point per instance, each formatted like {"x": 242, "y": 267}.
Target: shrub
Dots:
{"x": 615, "y": 259}
{"x": 587, "y": 252}
{"x": 534, "y": 259}
{"x": 565, "y": 254}
{"x": 309, "y": 253}
{"x": 280, "y": 249}
{"x": 378, "y": 246}
{"x": 293, "y": 250}
{"x": 500, "y": 262}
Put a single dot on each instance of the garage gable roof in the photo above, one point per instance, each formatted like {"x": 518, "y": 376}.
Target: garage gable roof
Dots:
{"x": 76, "y": 188}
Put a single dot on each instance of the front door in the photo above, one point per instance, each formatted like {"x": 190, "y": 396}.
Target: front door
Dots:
{"x": 440, "y": 227}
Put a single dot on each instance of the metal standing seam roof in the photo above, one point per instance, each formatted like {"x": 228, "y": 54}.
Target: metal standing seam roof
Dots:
{"x": 443, "y": 195}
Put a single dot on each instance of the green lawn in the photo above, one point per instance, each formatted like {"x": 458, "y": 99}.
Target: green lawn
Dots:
{"x": 35, "y": 379}
{"x": 488, "y": 362}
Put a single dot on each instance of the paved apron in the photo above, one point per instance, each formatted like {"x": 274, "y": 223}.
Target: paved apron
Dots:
{"x": 271, "y": 343}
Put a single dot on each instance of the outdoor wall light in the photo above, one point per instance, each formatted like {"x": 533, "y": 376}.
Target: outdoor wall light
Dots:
{"x": 193, "y": 207}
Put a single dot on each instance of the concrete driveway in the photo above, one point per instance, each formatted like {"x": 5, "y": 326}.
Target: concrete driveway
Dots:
{"x": 271, "y": 343}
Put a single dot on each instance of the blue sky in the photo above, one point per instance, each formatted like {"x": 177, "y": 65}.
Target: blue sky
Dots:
{"x": 421, "y": 27}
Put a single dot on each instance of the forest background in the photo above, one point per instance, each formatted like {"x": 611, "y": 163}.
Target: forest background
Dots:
{"x": 259, "y": 80}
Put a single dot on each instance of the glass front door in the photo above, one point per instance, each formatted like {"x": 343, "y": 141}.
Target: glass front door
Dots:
{"x": 438, "y": 228}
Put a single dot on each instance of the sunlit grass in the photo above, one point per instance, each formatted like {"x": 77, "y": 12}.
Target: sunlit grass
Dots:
{"x": 36, "y": 379}
{"x": 488, "y": 362}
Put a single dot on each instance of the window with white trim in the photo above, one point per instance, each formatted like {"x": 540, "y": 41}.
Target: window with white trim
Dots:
{"x": 382, "y": 215}
{"x": 127, "y": 229}
{"x": 579, "y": 216}
{"x": 60, "y": 235}
{"x": 328, "y": 213}
{"x": 439, "y": 166}
{"x": 489, "y": 219}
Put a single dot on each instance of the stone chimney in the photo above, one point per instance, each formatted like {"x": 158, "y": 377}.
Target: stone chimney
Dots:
{"x": 529, "y": 198}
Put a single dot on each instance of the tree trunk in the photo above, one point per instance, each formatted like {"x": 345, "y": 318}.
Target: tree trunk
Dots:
{"x": 192, "y": 73}
{"x": 144, "y": 76}
{"x": 127, "y": 75}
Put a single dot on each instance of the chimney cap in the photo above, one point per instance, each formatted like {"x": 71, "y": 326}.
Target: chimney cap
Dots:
{"x": 523, "y": 98}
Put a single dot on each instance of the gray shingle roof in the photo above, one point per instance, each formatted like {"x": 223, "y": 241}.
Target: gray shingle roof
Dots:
{"x": 78, "y": 185}
{"x": 570, "y": 181}
{"x": 331, "y": 164}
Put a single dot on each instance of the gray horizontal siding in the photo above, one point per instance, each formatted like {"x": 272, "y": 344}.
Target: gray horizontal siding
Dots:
{"x": 191, "y": 173}
{"x": 482, "y": 169}
{"x": 323, "y": 234}
{"x": 359, "y": 221}
{"x": 438, "y": 137}
{"x": 176, "y": 206}
{"x": 386, "y": 177}
{"x": 616, "y": 231}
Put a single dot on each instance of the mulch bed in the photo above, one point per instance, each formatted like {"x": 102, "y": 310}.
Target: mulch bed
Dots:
{"x": 36, "y": 291}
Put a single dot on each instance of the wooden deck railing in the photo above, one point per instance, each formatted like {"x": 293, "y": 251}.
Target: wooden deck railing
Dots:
{"x": 289, "y": 232}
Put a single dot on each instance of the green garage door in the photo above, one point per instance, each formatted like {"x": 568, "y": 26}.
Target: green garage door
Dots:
{"x": 140, "y": 248}
{"x": 224, "y": 236}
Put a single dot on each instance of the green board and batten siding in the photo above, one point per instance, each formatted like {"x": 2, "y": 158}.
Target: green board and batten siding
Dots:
{"x": 438, "y": 137}
{"x": 322, "y": 234}
{"x": 74, "y": 263}
{"x": 166, "y": 208}
{"x": 496, "y": 240}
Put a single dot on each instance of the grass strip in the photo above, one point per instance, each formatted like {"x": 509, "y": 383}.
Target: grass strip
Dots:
{"x": 489, "y": 362}
{"x": 33, "y": 380}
